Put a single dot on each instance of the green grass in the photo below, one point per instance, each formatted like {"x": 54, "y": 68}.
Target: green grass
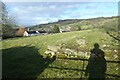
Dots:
{"x": 22, "y": 57}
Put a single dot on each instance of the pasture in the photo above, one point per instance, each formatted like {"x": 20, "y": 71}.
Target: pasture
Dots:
{"x": 25, "y": 58}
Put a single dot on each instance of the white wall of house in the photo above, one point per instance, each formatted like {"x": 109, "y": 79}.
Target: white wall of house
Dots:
{"x": 60, "y": 30}
{"x": 37, "y": 32}
{"x": 25, "y": 34}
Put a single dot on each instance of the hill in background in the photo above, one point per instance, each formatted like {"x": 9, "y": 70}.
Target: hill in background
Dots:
{"x": 81, "y": 24}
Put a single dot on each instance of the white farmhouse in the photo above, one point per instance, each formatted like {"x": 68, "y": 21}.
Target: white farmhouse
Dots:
{"x": 25, "y": 34}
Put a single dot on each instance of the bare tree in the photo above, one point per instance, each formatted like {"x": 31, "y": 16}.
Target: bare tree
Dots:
{"x": 7, "y": 23}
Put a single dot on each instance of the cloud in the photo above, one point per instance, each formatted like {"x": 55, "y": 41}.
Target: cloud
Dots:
{"x": 39, "y": 13}
{"x": 60, "y": 0}
{"x": 35, "y": 14}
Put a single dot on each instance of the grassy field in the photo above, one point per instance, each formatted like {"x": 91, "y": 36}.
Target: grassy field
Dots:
{"x": 24, "y": 57}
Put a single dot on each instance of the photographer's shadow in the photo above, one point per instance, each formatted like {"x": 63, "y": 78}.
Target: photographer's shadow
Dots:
{"x": 97, "y": 66}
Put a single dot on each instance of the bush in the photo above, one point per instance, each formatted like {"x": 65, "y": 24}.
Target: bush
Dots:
{"x": 7, "y": 32}
{"x": 56, "y": 29}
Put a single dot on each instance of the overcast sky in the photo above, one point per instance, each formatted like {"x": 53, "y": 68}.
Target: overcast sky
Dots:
{"x": 32, "y": 13}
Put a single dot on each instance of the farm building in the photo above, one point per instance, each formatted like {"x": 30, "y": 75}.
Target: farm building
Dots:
{"x": 20, "y": 31}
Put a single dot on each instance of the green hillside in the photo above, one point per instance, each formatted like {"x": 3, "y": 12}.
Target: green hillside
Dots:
{"x": 83, "y": 23}
{"x": 25, "y": 57}
{"x": 110, "y": 24}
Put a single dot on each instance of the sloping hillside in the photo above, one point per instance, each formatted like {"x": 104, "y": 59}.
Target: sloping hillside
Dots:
{"x": 25, "y": 58}
{"x": 83, "y": 23}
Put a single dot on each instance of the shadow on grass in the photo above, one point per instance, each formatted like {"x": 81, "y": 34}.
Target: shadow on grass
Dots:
{"x": 116, "y": 38}
{"x": 97, "y": 65}
{"x": 23, "y": 62}
{"x": 83, "y": 70}
{"x": 108, "y": 61}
